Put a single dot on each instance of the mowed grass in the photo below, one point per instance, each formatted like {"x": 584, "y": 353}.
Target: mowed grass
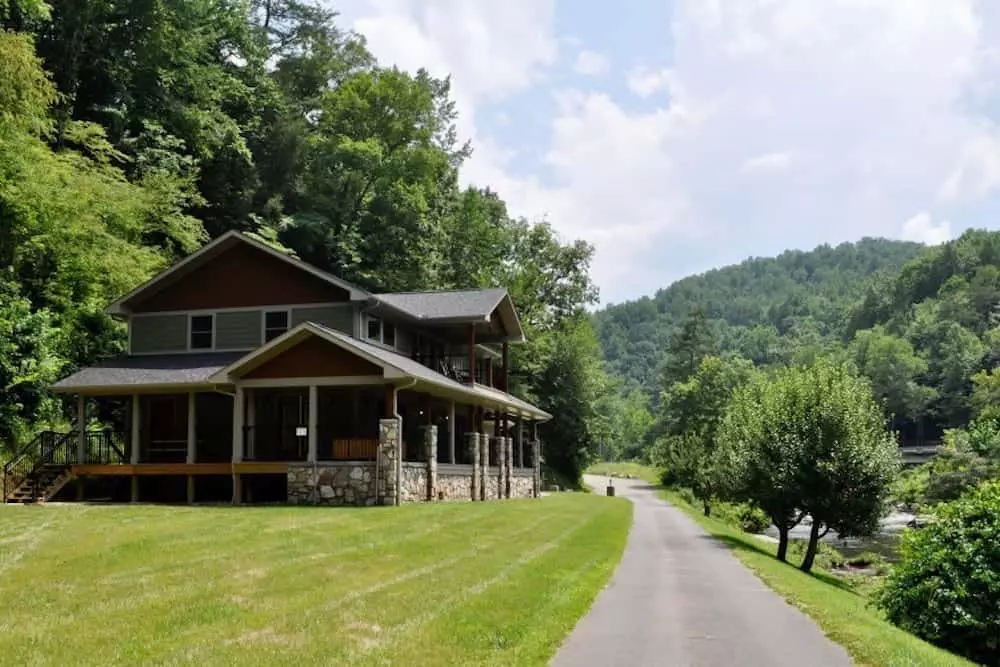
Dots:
{"x": 842, "y": 613}
{"x": 636, "y": 470}
{"x": 431, "y": 584}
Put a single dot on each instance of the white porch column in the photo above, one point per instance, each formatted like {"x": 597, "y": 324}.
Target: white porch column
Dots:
{"x": 192, "y": 428}
{"x": 238, "y": 402}
{"x": 451, "y": 433}
{"x": 136, "y": 424}
{"x": 313, "y": 422}
{"x": 81, "y": 425}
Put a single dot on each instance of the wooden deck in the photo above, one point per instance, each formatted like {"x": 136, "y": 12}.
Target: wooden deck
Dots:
{"x": 128, "y": 470}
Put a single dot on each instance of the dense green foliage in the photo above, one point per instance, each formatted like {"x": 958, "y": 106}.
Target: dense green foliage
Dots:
{"x": 132, "y": 133}
{"x": 809, "y": 441}
{"x": 919, "y": 323}
{"x": 947, "y": 587}
{"x": 691, "y": 412}
{"x": 766, "y": 310}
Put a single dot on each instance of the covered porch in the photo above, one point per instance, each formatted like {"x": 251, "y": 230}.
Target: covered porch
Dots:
{"x": 314, "y": 416}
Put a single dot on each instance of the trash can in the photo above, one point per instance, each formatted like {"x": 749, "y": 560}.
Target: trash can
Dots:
{"x": 611, "y": 488}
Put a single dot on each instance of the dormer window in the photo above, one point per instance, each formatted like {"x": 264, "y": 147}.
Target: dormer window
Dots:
{"x": 202, "y": 332}
{"x": 377, "y": 331}
{"x": 275, "y": 324}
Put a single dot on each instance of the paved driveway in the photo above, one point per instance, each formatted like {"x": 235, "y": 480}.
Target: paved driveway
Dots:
{"x": 680, "y": 598}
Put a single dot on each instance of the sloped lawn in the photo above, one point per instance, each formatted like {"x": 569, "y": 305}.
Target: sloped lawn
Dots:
{"x": 440, "y": 584}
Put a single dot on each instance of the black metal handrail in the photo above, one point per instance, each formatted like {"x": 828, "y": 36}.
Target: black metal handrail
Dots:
{"x": 47, "y": 448}
{"x": 107, "y": 447}
{"x": 52, "y": 448}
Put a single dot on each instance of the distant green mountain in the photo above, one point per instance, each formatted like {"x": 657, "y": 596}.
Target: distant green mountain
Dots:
{"x": 766, "y": 309}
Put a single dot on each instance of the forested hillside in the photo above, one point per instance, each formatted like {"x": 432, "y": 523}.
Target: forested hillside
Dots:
{"x": 925, "y": 332}
{"x": 764, "y": 309}
{"x": 133, "y": 132}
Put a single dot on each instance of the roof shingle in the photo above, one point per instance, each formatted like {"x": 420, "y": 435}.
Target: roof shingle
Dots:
{"x": 151, "y": 370}
{"x": 447, "y": 305}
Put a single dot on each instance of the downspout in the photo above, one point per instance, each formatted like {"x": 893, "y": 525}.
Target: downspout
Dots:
{"x": 399, "y": 435}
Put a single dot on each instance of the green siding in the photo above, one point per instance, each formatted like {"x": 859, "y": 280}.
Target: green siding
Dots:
{"x": 159, "y": 333}
{"x": 238, "y": 330}
{"x": 340, "y": 318}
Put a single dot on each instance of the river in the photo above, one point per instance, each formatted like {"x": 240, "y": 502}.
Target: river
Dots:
{"x": 884, "y": 542}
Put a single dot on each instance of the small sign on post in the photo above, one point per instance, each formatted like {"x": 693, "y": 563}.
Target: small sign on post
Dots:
{"x": 301, "y": 431}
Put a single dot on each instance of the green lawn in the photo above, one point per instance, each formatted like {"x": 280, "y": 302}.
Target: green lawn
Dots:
{"x": 440, "y": 584}
{"x": 636, "y": 470}
{"x": 842, "y": 613}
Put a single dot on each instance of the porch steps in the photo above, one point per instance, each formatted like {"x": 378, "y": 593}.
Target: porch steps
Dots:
{"x": 47, "y": 481}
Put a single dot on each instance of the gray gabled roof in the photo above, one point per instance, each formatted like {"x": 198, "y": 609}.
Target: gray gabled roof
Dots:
{"x": 154, "y": 370}
{"x": 455, "y": 307}
{"x": 216, "y": 247}
{"x": 446, "y": 305}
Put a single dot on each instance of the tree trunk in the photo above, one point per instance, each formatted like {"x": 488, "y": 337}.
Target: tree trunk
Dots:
{"x": 807, "y": 562}
{"x": 783, "y": 544}
{"x": 706, "y": 508}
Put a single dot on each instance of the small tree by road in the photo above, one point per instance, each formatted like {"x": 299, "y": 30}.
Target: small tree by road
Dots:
{"x": 810, "y": 441}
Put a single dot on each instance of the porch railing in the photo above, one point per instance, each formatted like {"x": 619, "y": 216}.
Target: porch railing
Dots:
{"x": 50, "y": 448}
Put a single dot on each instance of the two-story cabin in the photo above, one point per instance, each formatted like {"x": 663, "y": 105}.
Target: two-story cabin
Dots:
{"x": 253, "y": 376}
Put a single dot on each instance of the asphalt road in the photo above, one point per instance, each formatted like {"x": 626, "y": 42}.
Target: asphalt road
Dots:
{"x": 680, "y": 598}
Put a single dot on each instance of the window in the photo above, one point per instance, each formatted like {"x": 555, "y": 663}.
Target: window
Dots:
{"x": 275, "y": 324}
{"x": 388, "y": 334}
{"x": 375, "y": 329}
{"x": 378, "y": 331}
{"x": 202, "y": 327}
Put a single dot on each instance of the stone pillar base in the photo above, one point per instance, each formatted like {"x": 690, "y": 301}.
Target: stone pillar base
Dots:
{"x": 388, "y": 461}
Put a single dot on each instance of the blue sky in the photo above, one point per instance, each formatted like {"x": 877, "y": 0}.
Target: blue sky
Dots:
{"x": 685, "y": 134}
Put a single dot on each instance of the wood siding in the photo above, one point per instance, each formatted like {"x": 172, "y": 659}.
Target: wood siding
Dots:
{"x": 338, "y": 317}
{"x": 242, "y": 276}
{"x": 238, "y": 329}
{"x": 314, "y": 357}
{"x": 159, "y": 333}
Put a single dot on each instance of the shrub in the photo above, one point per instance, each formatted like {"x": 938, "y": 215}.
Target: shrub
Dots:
{"x": 753, "y": 519}
{"x": 687, "y": 495}
{"x": 827, "y": 555}
{"x": 946, "y": 589}
{"x": 870, "y": 561}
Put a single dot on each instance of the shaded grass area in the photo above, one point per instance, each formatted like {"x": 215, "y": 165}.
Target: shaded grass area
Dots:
{"x": 636, "y": 470}
{"x": 837, "y": 607}
{"x": 432, "y": 584}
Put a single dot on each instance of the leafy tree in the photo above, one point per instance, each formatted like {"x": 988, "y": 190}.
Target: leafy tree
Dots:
{"x": 946, "y": 589}
{"x": 893, "y": 368}
{"x": 569, "y": 383}
{"x": 29, "y": 362}
{"x": 692, "y": 411}
{"x": 691, "y": 343}
{"x": 850, "y": 460}
{"x": 810, "y": 440}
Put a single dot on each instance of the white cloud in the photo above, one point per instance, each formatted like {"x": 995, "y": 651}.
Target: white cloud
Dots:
{"x": 922, "y": 229}
{"x": 590, "y": 63}
{"x": 646, "y": 82}
{"x": 859, "y": 113}
{"x": 768, "y": 162}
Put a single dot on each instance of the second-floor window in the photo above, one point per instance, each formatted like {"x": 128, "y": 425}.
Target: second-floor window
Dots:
{"x": 275, "y": 324}
{"x": 378, "y": 331}
{"x": 202, "y": 328}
